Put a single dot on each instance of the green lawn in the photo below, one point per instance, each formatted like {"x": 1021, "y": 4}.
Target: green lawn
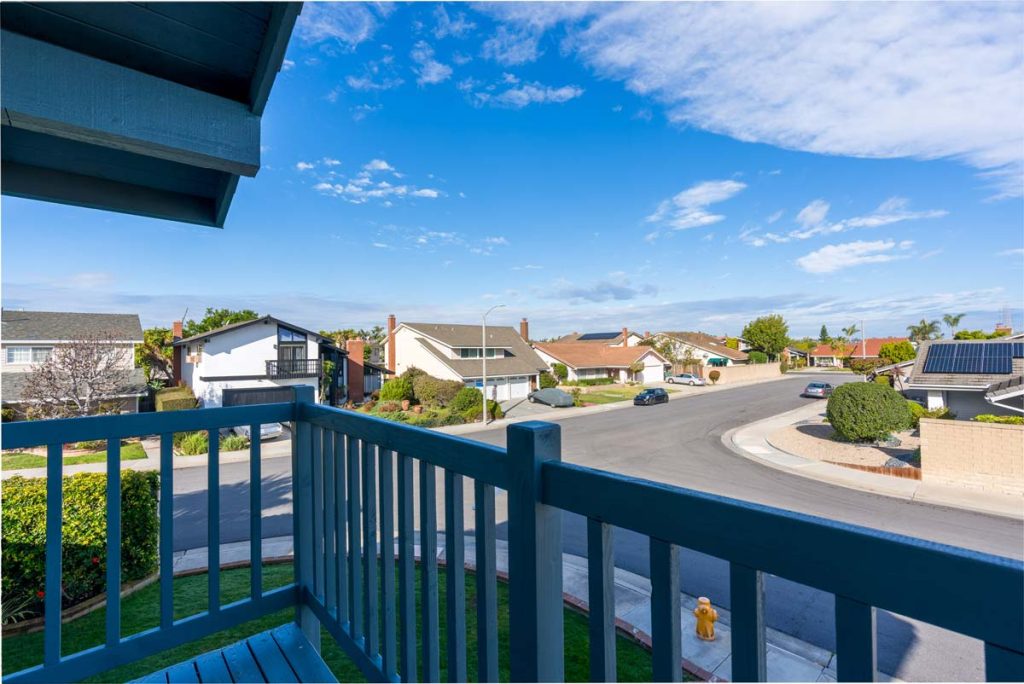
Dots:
{"x": 141, "y": 611}
{"x": 608, "y": 395}
{"x": 132, "y": 451}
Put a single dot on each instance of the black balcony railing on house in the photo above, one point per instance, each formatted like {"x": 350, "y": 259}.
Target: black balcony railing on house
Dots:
{"x": 294, "y": 368}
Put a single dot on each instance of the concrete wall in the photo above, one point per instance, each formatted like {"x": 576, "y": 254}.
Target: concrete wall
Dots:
{"x": 981, "y": 456}
{"x": 745, "y": 373}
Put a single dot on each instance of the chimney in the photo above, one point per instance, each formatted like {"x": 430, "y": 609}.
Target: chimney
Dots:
{"x": 647, "y": 334}
{"x": 355, "y": 369}
{"x": 176, "y": 355}
{"x": 524, "y": 329}
{"x": 391, "y": 342}
{"x": 625, "y": 337}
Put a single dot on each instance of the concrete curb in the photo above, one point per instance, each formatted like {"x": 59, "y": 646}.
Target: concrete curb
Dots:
{"x": 789, "y": 659}
{"x": 751, "y": 442}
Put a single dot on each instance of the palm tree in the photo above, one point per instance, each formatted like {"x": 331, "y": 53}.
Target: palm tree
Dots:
{"x": 952, "y": 320}
{"x": 925, "y": 330}
{"x": 839, "y": 345}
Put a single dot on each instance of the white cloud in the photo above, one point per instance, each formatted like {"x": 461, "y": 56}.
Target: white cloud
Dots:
{"x": 1012, "y": 252}
{"x": 287, "y": 65}
{"x": 346, "y": 23}
{"x": 919, "y": 80}
{"x": 836, "y": 257}
{"x": 426, "y": 192}
{"x": 377, "y": 165}
{"x": 511, "y": 47}
{"x": 534, "y": 93}
{"x": 456, "y": 27}
{"x": 429, "y": 70}
{"x": 360, "y": 112}
{"x": 380, "y": 245}
{"x": 813, "y": 214}
{"x": 303, "y": 166}
{"x": 330, "y": 161}
{"x": 774, "y": 217}
{"x": 688, "y": 209}
{"x": 498, "y": 240}
{"x": 527, "y": 267}
{"x": 894, "y": 210}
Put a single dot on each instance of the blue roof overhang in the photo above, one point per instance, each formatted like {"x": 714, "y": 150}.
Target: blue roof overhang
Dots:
{"x": 142, "y": 108}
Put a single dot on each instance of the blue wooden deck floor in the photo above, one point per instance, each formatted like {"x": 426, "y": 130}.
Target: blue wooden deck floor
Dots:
{"x": 282, "y": 654}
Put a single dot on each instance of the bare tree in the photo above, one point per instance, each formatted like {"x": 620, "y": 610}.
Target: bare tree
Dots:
{"x": 78, "y": 377}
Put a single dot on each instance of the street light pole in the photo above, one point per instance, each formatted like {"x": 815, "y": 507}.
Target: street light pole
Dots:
{"x": 483, "y": 352}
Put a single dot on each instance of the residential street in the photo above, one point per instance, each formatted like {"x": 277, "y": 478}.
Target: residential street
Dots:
{"x": 680, "y": 443}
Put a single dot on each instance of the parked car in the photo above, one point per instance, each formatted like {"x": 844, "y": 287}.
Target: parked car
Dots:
{"x": 684, "y": 379}
{"x": 655, "y": 395}
{"x": 552, "y": 397}
{"x": 267, "y": 431}
{"x": 818, "y": 390}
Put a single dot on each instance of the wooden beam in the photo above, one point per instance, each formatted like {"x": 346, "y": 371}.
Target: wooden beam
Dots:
{"x": 58, "y": 92}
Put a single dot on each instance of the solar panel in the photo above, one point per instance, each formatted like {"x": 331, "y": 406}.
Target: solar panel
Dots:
{"x": 993, "y": 358}
{"x": 940, "y": 358}
{"x": 598, "y": 336}
{"x": 1018, "y": 350}
{"x": 998, "y": 358}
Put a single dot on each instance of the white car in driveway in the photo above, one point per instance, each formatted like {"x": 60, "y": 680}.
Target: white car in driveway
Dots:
{"x": 684, "y": 379}
{"x": 267, "y": 431}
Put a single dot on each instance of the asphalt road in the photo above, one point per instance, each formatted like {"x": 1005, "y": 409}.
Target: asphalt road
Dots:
{"x": 680, "y": 443}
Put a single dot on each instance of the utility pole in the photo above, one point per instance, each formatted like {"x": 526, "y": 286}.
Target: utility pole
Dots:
{"x": 483, "y": 352}
{"x": 863, "y": 340}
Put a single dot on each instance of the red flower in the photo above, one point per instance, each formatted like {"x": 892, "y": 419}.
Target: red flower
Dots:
{"x": 95, "y": 560}
{"x": 40, "y": 593}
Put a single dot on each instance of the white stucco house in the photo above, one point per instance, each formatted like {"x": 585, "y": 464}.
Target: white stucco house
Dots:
{"x": 593, "y": 361}
{"x": 455, "y": 352}
{"x": 256, "y": 361}
{"x": 28, "y": 338}
{"x": 706, "y": 350}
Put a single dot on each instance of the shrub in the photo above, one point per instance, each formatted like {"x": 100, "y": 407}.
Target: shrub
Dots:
{"x": 411, "y": 373}
{"x": 90, "y": 445}
{"x": 590, "y": 382}
{"x": 887, "y": 381}
{"x": 375, "y": 394}
{"x": 472, "y": 414}
{"x": 425, "y": 388}
{"x": 233, "y": 443}
{"x": 84, "y": 548}
{"x": 7, "y": 414}
{"x": 1000, "y": 420}
{"x": 494, "y": 408}
{"x": 369, "y": 406}
{"x": 783, "y": 367}
{"x": 917, "y": 412}
{"x": 757, "y": 357}
{"x": 388, "y": 407}
{"x": 194, "y": 443}
{"x": 713, "y": 376}
{"x": 866, "y": 411}
{"x": 547, "y": 380}
{"x": 577, "y": 395}
{"x": 560, "y": 370}
{"x": 175, "y": 399}
{"x": 864, "y": 366}
{"x": 897, "y": 352}
{"x": 397, "y": 389}
{"x": 467, "y": 398}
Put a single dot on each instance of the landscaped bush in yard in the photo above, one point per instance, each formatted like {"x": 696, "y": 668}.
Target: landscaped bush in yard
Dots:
{"x": 194, "y": 443}
{"x": 1001, "y": 420}
{"x": 233, "y": 443}
{"x": 397, "y": 389}
{"x": 446, "y": 391}
{"x": 866, "y": 411}
{"x": 389, "y": 407}
{"x": 175, "y": 399}
{"x": 425, "y": 388}
{"x": 713, "y": 377}
{"x": 590, "y": 382}
{"x": 560, "y": 370}
{"x": 757, "y": 357}
{"x": 84, "y": 550}
{"x": 865, "y": 366}
{"x": 884, "y": 380}
{"x": 467, "y": 398}
{"x": 547, "y": 380}
{"x": 472, "y": 413}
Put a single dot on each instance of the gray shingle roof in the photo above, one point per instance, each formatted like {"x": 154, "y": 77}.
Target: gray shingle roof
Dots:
{"x": 918, "y": 378}
{"x": 708, "y": 343}
{"x": 524, "y": 360}
{"x": 12, "y": 384}
{"x": 61, "y": 325}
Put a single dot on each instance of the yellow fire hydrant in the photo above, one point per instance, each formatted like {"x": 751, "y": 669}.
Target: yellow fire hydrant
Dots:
{"x": 706, "y": 618}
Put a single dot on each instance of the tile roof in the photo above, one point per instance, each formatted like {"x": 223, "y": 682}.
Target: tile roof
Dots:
{"x": 856, "y": 349}
{"x": 61, "y": 326}
{"x": 918, "y": 378}
{"x": 591, "y": 338}
{"x": 14, "y": 384}
{"x": 524, "y": 360}
{"x": 708, "y": 343}
{"x": 586, "y": 355}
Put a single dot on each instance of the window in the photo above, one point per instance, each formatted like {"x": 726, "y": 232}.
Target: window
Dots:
{"x": 40, "y": 354}
{"x": 28, "y": 354}
{"x": 291, "y": 344}
{"x": 475, "y": 353}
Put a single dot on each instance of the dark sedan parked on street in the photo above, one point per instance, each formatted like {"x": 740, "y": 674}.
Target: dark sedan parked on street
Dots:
{"x": 655, "y": 395}
{"x": 818, "y": 390}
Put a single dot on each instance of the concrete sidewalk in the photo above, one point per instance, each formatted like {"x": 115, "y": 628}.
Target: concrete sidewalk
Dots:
{"x": 751, "y": 441}
{"x": 789, "y": 659}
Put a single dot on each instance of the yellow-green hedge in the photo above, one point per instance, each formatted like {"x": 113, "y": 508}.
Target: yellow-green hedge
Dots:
{"x": 84, "y": 552}
{"x": 175, "y": 399}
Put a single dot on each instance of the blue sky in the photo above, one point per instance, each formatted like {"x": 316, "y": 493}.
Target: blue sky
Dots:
{"x": 593, "y": 167}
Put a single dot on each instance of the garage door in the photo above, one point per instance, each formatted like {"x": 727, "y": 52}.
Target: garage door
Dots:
{"x": 246, "y": 397}
{"x": 519, "y": 387}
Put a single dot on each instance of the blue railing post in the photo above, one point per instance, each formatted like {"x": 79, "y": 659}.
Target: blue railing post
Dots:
{"x": 535, "y": 557}
{"x": 302, "y": 515}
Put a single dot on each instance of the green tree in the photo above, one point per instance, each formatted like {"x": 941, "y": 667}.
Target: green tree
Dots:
{"x": 840, "y": 347}
{"x": 953, "y": 320}
{"x": 897, "y": 352}
{"x": 155, "y": 353}
{"x": 851, "y": 331}
{"x": 823, "y": 336}
{"x": 560, "y": 370}
{"x": 769, "y": 334}
{"x": 217, "y": 318}
{"x": 925, "y": 330}
{"x": 980, "y": 334}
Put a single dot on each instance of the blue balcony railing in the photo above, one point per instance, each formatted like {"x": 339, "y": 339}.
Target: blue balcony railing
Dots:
{"x": 356, "y": 479}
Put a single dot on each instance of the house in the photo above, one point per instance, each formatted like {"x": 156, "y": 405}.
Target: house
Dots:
{"x": 29, "y": 337}
{"x": 586, "y": 361}
{"x": 611, "y": 339}
{"x": 259, "y": 361}
{"x": 705, "y": 350}
{"x": 456, "y": 352}
{"x": 794, "y": 355}
{"x": 863, "y": 350}
{"x": 970, "y": 377}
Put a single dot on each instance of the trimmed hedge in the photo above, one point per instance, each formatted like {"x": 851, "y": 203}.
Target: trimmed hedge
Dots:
{"x": 467, "y": 398}
{"x": 590, "y": 382}
{"x": 547, "y": 380}
{"x": 867, "y": 411}
{"x": 84, "y": 550}
{"x": 175, "y": 399}
{"x": 713, "y": 376}
{"x": 1000, "y": 420}
{"x": 757, "y": 357}
{"x": 560, "y": 370}
{"x": 397, "y": 389}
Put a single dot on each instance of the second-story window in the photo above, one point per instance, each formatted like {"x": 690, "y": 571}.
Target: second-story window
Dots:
{"x": 28, "y": 354}
{"x": 475, "y": 353}
{"x": 291, "y": 344}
